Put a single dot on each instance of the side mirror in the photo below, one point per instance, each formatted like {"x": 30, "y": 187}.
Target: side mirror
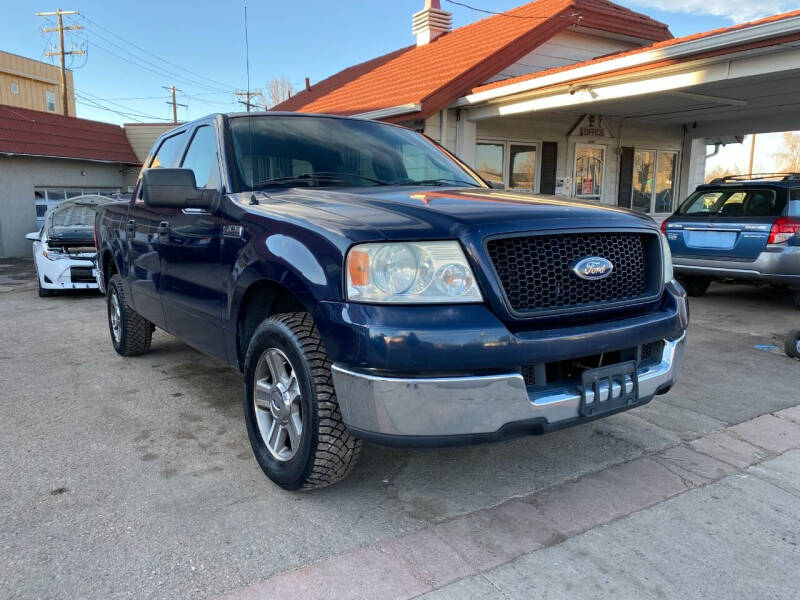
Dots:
{"x": 496, "y": 185}
{"x": 33, "y": 236}
{"x": 176, "y": 188}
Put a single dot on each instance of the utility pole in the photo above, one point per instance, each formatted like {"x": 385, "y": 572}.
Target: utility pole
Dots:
{"x": 248, "y": 95}
{"x": 174, "y": 102}
{"x": 61, "y": 52}
{"x": 752, "y": 154}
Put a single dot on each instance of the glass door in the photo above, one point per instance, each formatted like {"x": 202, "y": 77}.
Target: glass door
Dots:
{"x": 654, "y": 179}
{"x": 522, "y": 168}
{"x": 589, "y": 170}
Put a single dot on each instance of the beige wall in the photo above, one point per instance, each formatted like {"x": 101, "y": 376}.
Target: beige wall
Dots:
{"x": 32, "y": 79}
{"x": 142, "y": 136}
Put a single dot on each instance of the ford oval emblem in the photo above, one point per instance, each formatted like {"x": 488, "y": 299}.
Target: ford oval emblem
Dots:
{"x": 593, "y": 268}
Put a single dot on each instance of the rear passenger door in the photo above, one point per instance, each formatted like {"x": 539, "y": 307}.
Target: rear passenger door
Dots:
{"x": 194, "y": 282}
{"x": 142, "y": 232}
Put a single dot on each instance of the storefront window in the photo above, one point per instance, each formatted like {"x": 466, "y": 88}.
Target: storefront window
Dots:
{"x": 654, "y": 175}
{"x": 589, "y": 169}
{"x": 523, "y": 168}
{"x": 489, "y": 159}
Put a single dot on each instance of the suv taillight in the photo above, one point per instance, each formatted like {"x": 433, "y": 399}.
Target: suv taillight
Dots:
{"x": 664, "y": 227}
{"x": 782, "y": 229}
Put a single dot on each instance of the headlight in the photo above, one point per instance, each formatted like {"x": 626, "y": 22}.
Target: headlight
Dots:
{"x": 410, "y": 272}
{"x": 666, "y": 253}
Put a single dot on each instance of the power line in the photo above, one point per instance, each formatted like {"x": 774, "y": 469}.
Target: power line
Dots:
{"x": 126, "y": 110}
{"x": 501, "y": 14}
{"x": 150, "y": 66}
{"x": 145, "y": 51}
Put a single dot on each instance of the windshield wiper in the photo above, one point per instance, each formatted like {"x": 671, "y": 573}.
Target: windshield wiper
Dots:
{"x": 317, "y": 175}
{"x": 439, "y": 181}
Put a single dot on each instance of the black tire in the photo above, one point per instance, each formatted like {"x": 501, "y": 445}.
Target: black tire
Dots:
{"x": 792, "y": 344}
{"x": 326, "y": 451}
{"x": 44, "y": 292}
{"x": 695, "y": 286}
{"x": 134, "y": 332}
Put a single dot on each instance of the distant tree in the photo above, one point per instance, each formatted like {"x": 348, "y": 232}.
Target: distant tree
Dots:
{"x": 722, "y": 171}
{"x": 278, "y": 90}
{"x": 788, "y": 158}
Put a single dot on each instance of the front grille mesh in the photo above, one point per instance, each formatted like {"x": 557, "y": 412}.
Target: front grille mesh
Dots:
{"x": 536, "y": 271}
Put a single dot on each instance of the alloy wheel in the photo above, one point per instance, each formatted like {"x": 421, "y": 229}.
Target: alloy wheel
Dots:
{"x": 278, "y": 404}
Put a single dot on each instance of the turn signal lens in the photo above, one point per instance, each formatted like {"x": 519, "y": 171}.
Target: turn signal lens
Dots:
{"x": 358, "y": 267}
{"x": 783, "y": 229}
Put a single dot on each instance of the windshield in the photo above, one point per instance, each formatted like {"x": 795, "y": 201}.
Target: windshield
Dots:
{"x": 739, "y": 202}
{"x": 292, "y": 151}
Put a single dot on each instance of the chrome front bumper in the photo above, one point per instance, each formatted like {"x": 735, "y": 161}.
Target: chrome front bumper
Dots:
{"x": 440, "y": 407}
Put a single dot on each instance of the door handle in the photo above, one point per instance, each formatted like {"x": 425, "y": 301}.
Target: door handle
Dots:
{"x": 163, "y": 231}
{"x": 131, "y": 226}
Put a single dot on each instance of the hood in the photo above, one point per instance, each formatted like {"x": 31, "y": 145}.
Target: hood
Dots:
{"x": 401, "y": 212}
{"x": 73, "y": 219}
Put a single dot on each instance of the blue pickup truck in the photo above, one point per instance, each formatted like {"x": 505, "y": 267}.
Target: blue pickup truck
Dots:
{"x": 370, "y": 286}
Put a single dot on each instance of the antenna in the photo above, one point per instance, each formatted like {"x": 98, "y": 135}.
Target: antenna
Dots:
{"x": 253, "y": 199}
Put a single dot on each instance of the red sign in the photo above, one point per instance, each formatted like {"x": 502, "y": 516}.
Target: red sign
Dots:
{"x": 587, "y": 186}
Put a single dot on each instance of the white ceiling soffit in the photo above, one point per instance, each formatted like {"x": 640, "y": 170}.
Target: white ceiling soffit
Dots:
{"x": 751, "y": 63}
{"x": 391, "y": 111}
{"x": 713, "y": 42}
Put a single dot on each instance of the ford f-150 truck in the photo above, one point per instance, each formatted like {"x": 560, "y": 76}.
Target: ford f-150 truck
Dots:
{"x": 371, "y": 286}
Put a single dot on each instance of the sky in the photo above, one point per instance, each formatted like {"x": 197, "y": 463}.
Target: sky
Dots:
{"x": 135, "y": 49}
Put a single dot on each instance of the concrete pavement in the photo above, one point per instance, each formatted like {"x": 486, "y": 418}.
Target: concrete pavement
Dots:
{"x": 134, "y": 478}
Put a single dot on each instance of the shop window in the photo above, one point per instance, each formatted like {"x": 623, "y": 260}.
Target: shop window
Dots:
{"x": 50, "y": 101}
{"x": 489, "y": 161}
{"x": 14, "y": 88}
{"x": 589, "y": 170}
{"x": 654, "y": 181}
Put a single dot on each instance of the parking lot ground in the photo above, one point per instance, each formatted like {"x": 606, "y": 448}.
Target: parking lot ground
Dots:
{"x": 129, "y": 478}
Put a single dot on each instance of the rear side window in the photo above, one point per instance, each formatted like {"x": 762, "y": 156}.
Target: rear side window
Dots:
{"x": 794, "y": 204}
{"x": 758, "y": 202}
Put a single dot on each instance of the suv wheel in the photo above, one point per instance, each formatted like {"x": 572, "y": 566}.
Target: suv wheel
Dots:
{"x": 792, "y": 344}
{"x": 290, "y": 408}
{"x": 131, "y": 333}
{"x": 695, "y": 286}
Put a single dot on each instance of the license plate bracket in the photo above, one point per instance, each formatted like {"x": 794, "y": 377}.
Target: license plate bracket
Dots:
{"x": 609, "y": 388}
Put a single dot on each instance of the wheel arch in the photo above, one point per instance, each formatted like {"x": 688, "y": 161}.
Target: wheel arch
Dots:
{"x": 260, "y": 300}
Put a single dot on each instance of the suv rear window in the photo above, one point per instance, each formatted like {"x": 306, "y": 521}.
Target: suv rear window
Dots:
{"x": 738, "y": 202}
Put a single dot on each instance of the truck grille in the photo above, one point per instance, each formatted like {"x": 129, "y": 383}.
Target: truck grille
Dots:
{"x": 536, "y": 271}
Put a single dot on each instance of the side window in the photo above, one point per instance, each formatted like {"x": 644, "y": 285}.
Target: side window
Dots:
{"x": 167, "y": 154}
{"x": 202, "y": 158}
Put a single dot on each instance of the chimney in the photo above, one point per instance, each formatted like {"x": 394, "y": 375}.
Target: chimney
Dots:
{"x": 431, "y": 22}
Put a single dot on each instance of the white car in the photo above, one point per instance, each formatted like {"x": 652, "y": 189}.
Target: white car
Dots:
{"x": 63, "y": 250}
